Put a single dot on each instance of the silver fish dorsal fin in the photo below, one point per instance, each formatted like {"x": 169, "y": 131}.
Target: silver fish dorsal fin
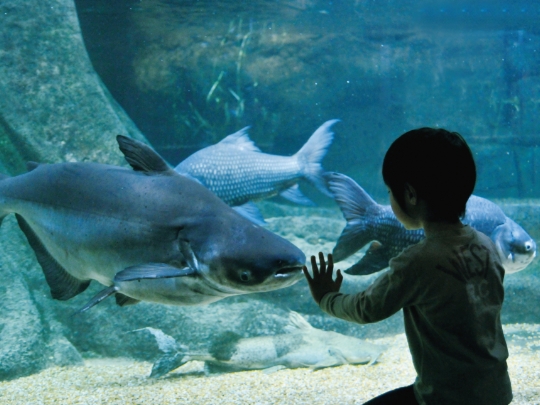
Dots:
{"x": 297, "y": 323}
{"x": 241, "y": 141}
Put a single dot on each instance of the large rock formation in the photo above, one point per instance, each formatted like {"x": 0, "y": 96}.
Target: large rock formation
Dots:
{"x": 53, "y": 108}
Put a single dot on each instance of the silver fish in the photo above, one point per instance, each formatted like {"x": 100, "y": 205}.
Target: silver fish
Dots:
{"x": 238, "y": 172}
{"x": 302, "y": 346}
{"x": 148, "y": 234}
{"x": 368, "y": 222}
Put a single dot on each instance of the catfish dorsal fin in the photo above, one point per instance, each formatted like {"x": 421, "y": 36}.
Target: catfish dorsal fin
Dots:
{"x": 141, "y": 157}
{"x": 297, "y": 323}
{"x": 240, "y": 140}
{"x": 166, "y": 343}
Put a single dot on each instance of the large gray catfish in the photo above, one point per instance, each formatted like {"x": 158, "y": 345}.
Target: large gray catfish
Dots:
{"x": 368, "y": 222}
{"x": 238, "y": 172}
{"x": 302, "y": 346}
{"x": 148, "y": 234}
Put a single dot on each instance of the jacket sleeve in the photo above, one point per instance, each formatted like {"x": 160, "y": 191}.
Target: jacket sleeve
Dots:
{"x": 391, "y": 292}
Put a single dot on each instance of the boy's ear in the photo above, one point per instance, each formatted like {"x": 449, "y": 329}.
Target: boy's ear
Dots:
{"x": 410, "y": 194}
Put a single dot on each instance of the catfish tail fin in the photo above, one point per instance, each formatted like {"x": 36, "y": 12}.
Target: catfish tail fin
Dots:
{"x": 357, "y": 207}
{"x": 312, "y": 153}
{"x": 173, "y": 353}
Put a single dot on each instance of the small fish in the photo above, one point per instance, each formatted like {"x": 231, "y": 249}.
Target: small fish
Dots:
{"x": 302, "y": 346}
{"x": 368, "y": 221}
{"x": 238, "y": 172}
{"x": 149, "y": 234}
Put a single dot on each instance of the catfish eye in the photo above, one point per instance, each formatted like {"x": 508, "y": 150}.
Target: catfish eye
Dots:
{"x": 244, "y": 276}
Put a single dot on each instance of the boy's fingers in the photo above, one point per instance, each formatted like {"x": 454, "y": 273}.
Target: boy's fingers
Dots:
{"x": 330, "y": 265}
{"x": 339, "y": 278}
{"x": 306, "y": 273}
{"x": 314, "y": 266}
{"x": 330, "y": 261}
{"x": 322, "y": 262}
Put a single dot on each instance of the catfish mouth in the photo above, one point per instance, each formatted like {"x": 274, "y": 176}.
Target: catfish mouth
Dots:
{"x": 288, "y": 272}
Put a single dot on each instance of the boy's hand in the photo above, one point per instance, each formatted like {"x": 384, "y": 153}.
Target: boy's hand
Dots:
{"x": 322, "y": 281}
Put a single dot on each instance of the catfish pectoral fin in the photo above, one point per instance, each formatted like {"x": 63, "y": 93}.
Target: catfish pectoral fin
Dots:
{"x": 152, "y": 271}
{"x": 98, "y": 298}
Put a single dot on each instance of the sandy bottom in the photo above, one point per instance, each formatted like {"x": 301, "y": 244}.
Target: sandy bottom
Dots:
{"x": 124, "y": 382}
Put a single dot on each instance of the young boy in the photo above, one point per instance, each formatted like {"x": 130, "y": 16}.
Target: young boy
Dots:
{"x": 450, "y": 285}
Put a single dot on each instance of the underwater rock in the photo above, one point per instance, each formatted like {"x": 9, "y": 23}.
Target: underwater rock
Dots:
{"x": 21, "y": 330}
{"x": 28, "y": 341}
{"x": 54, "y": 106}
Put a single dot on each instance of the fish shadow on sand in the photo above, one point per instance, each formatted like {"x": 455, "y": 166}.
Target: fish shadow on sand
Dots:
{"x": 302, "y": 346}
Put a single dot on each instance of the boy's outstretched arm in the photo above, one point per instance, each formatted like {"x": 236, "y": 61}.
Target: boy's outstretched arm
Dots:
{"x": 322, "y": 281}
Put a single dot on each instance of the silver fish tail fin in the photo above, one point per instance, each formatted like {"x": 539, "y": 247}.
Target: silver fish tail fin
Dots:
{"x": 357, "y": 207}
{"x": 312, "y": 153}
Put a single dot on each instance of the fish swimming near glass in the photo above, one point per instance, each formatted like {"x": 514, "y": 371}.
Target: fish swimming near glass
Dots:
{"x": 148, "y": 234}
{"x": 238, "y": 172}
{"x": 368, "y": 221}
{"x": 302, "y": 346}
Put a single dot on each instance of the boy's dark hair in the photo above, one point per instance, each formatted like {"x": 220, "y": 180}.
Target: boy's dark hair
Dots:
{"x": 438, "y": 164}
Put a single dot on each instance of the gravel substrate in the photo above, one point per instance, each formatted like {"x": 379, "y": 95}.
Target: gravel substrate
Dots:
{"x": 125, "y": 382}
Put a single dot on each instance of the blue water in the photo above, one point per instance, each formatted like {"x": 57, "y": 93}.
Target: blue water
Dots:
{"x": 284, "y": 67}
{"x": 189, "y": 73}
